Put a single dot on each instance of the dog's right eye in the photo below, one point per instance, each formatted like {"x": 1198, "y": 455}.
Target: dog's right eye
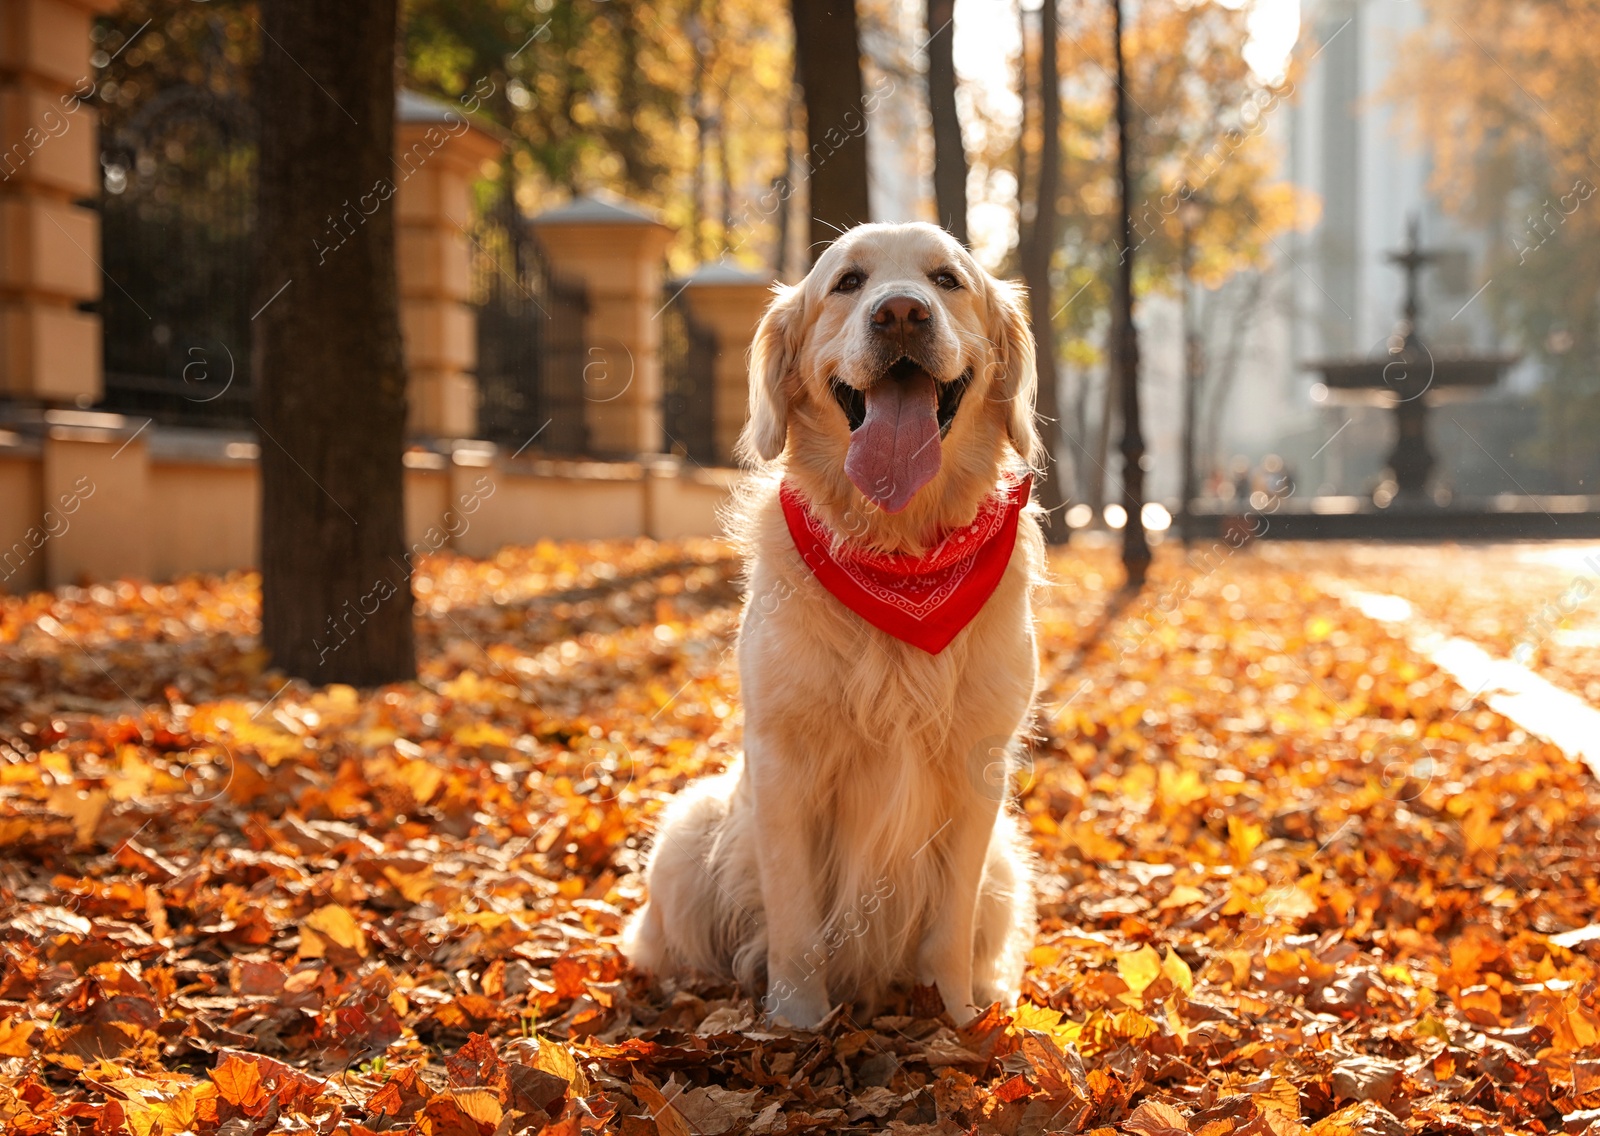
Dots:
{"x": 849, "y": 282}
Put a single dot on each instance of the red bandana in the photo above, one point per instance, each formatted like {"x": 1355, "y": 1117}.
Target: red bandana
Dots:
{"x": 923, "y": 600}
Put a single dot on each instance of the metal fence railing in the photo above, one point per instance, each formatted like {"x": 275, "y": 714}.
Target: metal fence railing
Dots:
{"x": 688, "y": 383}
{"x": 177, "y": 210}
{"x": 530, "y": 341}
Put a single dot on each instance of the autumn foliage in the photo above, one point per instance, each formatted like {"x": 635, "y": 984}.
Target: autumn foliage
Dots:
{"x": 1292, "y": 877}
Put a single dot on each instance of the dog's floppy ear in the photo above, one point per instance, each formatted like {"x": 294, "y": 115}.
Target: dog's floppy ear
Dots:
{"x": 773, "y": 357}
{"x": 1018, "y": 385}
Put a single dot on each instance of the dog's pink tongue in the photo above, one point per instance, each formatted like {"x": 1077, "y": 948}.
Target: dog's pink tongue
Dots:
{"x": 895, "y": 452}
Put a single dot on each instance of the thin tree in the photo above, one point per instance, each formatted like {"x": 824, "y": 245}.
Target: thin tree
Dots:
{"x": 1135, "y": 548}
{"x": 827, "y": 63}
{"x": 1243, "y": 314}
{"x": 331, "y": 405}
{"x": 949, "y": 154}
{"x": 1034, "y": 258}
{"x": 1025, "y": 203}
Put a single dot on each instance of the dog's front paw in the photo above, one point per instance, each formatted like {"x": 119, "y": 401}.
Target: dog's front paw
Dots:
{"x": 986, "y": 994}
{"x": 803, "y": 1005}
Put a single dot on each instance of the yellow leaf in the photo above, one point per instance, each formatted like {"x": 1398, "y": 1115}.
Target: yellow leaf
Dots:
{"x": 413, "y": 886}
{"x": 1243, "y": 837}
{"x": 553, "y": 1058}
{"x": 1280, "y": 1097}
{"x": 1092, "y": 844}
{"x": 1184, "y": 895}
{"x": 1178, "y": 971}
{"x": 340, "y": 927}
{"x": 1139, "y": 968}
{"x": 1044, "y": 956}
{"x": 1179, "y": 788}
{"x": 152, "y": 1115}
{"x": 133, "y": 780}
{"x": 1133, "y": 1025}
{"x": 1176, "y": 1024}
{"x": 422, "y": 778}
{"x": 1394, "y": 972}
{"x": 480, "y": 734}
{"x": 1027, "y": 1016}
{"x": 84, "y": 808}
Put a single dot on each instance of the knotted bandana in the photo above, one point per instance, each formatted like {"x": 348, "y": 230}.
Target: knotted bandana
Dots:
{"x": 923, "y": 600}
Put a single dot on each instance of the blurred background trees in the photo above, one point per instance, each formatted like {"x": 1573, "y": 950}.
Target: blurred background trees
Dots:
{"x": 691, "y": 106}
{"x": 749, "y": 133}
{"x": 1505, "y": 99}
{"x": 1189, "y": 86}
{"x": 683, "y": 105}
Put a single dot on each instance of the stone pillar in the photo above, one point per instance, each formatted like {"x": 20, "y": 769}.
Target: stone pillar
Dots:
{"x": 96, "y": 490}
{"x": 49, "y": 157}
{"x": 616, "y": 249}
{"x": 728, "y": 302}
{"x": 438, "y": 157}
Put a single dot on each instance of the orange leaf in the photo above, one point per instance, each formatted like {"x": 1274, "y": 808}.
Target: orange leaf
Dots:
{"x": 340, "y": 927}
{"x": 669, "y": 1121}
{"x": 1153, "y": 1118}
{"x": 1014, "y": 1089}
{"x": 14, "y": 1037}
{"x": 239, "y": 1083}
{"x": 1480, "y": 1004}
{"x": 461, "y": 1112}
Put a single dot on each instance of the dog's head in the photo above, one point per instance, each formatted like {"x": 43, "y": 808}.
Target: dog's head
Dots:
{"x": 898, "y": 367}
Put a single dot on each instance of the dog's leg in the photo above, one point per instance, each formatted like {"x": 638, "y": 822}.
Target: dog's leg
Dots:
{"x": 797, "y": 980}
{"x": 944, "y": 957}
{"x": 1006, "y": 916}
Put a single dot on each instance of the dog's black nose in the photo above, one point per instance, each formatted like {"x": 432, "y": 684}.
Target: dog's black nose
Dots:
{"x": 900, "y": 315}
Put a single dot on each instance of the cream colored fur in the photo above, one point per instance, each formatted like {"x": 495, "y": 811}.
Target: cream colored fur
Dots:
{"x": 864, "y": 841}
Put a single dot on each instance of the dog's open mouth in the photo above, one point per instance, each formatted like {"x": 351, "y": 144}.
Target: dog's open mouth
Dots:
{"x": 896, "y": 425}
{"x": 854, "y": 402}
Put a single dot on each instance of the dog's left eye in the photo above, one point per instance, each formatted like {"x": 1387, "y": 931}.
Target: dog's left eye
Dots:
{"x": 949, "y": 281}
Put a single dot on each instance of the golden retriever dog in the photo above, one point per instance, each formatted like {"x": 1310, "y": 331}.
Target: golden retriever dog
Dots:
{"x": 863, "y": 842}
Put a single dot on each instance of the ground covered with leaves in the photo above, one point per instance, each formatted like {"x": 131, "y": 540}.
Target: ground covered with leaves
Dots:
{"x": 1538, "y": 604}
{"x": 1292, "y": 877}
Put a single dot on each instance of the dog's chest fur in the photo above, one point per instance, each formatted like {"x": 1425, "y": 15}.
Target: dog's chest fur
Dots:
{"x": 897, "y": 741}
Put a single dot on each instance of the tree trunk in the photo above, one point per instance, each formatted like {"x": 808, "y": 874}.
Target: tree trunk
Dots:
{"x": 725, "y": 172}
{"x": 1135, "y": 548}
{"x": 783, "y": 187}
{"x": 331, "y": 407}
{"x": 1024, "y": 95}
{"x": 827, "y": 60}
{"x": 949, "y": 154}
{"x": 697, "y": 110}
{"x": 1100, "y": 475}
{"x": 1035, "y": 259}
{"x": 1243, "y": 318}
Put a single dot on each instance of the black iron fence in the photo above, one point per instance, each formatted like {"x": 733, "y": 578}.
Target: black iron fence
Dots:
{"x": 688, "y": 382}
{"x": 178, "y": 226}
{"x": 530, "y": 342}
{"x": 177, "y": 223}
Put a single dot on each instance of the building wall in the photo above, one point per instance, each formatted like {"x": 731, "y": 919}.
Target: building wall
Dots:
{"x": 194, "y": 504}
